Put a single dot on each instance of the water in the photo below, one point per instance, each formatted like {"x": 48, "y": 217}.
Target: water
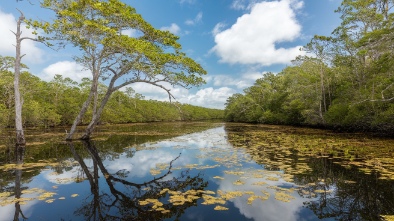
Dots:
{"x": 222, "y": 172}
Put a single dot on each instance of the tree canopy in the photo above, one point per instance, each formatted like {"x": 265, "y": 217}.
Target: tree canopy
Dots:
{"x": 97, "y": 28}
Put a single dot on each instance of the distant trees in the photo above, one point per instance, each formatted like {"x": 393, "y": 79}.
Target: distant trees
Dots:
{"x": 56, "y": 103}
{"x": 347, "y": 83}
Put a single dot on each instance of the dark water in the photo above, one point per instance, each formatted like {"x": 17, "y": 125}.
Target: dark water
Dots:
{"x": 145, "y": 173}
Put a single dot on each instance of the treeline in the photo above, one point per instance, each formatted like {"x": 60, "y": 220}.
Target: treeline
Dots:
{"x": 345, "y": 81}
{"x": 58, "y": 102}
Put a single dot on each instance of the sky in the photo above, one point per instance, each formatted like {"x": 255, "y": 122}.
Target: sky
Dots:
{"x": 235, "y": 41}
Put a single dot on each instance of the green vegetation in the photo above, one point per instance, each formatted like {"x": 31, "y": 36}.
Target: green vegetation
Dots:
{"x": 57, "y": 103}
{"x": 345, "y": 82}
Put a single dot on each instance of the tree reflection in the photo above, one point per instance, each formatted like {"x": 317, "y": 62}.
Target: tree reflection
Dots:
{"x": 345, "y": 194}
{"x": 19, "y": 156}
{"x": 331, "y": 186}
{"x": 119, "y": 198}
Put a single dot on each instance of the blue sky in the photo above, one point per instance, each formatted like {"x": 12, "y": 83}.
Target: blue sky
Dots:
{"x": 236, "y": 41}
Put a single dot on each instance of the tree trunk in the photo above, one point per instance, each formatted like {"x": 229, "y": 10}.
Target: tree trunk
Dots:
{"x": 20, "y": 137}
{"x": 92, "y": 95}
{"x": 96, "y": 115}
{"x": 79, "y": 117}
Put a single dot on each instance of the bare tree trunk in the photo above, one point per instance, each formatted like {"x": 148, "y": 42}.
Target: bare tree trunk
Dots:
{"x": 20, "y": 137}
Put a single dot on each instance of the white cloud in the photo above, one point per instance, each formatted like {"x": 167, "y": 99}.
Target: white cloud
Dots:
{"x": 196, "y": 20}
{"x": 67, "y": 69}
{"x": 7, "y": 48}
{"x": 218, "y": 28}
{"x": 173, "y": 28}
{"x": 209, "y": 97}
{"x": 253, "y": 38}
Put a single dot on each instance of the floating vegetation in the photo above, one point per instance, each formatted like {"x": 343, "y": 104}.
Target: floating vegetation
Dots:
{"x": 230, "y": 195}
{"x": 218, "y": 177}
{"x": 5, "y": 194}
{"x": 7, "y": 198}
{"x": 237, "y": 173}
{"x": 49, "y": 200}
{"x": 155, "y": 172}
{"x": 388, "y": 217}
{"x": 284, "y": 197}
{"x": 209, "y": 200}
{"x": 272, "y": 178}
{"x": 156, "y": 204}
{"x": 252, "y": 198}
{"x": 220, "y": 208}
{"x": 26, "y": 166}
{"x": 46, "y": 195}
{"x": 238, "y": 183}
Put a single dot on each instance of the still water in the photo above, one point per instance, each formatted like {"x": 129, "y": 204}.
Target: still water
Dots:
{"x": 200, "y": 171}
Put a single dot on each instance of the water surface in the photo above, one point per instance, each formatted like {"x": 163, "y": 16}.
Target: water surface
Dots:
{"x": 200, "y": 171}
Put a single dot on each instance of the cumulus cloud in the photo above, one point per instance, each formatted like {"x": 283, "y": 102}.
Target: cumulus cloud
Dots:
{"x": 210, "y": 97}
{"x": 7, "y": 48}
{"x": 254, "y": 37}
{"x": 173, "y": 28}
{"x": 196, "y": 20}
{"x": 69, "y": 69}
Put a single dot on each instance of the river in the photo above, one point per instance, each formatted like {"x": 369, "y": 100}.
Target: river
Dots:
{"x": 198, "y": 171}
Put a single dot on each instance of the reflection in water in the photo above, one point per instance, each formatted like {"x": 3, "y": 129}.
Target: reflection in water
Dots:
{"x": 241, "y": 172}
{"x": 125, "y": 205}
{"x": 341, "y": 188}
{"x": 19, "y": 156}
{"x": 346, "y": 194}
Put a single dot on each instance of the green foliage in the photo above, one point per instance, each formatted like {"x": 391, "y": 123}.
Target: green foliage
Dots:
{"x": 347, "y": 83}
{"x": 56, "y": 103}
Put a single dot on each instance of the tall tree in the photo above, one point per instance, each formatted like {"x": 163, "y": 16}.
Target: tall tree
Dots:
{"x": 20, "y": 137}
{"x": 97, "y": 28}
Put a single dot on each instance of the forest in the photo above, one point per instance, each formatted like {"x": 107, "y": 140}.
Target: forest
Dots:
{"x": 56, "y": 103}
{"x": 344, "y": 81}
